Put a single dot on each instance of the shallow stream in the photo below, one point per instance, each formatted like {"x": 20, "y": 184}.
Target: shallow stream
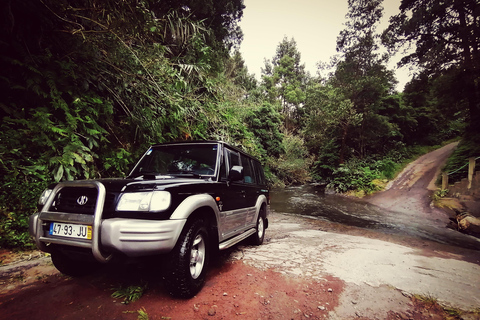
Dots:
{"x": 311, "y": 200}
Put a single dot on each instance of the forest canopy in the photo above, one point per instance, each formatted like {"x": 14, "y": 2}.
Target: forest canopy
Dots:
{"x": 88, "y": 85}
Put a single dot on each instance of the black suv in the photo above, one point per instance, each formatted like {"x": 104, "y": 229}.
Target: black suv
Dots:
{"x": 183, "y": 201}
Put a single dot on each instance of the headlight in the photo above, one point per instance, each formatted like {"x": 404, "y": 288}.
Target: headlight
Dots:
{"x": 144, "y": 201}
{"x": 43, "y": 198}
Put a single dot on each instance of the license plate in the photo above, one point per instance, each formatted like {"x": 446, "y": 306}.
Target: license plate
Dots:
{"x": 71, "y": 230}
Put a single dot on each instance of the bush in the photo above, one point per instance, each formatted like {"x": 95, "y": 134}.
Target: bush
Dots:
{"x": 386, "y": 167}
{"x": 293, "y": 166}
{"x": 17, "y": 202}
{"x": 326, "y": 161}
{"x": 355, "y": 176}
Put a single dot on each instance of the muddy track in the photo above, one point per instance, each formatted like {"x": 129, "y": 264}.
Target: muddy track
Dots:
{"x": 410, "y": 193}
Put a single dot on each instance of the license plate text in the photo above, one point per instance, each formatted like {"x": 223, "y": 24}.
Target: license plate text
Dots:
{"x": 71, "y": 230}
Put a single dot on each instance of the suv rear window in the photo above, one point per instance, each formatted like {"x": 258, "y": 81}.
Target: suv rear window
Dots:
{"x": 248, "y": 174}
{"x": 259, "y": 173}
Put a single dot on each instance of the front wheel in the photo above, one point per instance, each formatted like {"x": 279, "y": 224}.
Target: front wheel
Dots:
{"x": 189, "y": 261}
{"x": 72, "y": 267}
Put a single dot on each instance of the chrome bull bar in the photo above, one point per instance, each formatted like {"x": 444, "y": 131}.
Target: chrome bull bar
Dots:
{"x": 39, "y": 220}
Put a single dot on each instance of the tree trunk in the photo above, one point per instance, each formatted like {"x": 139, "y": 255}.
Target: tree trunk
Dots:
{"x": 343, "y": 145}
{"x": 471, "y": 86}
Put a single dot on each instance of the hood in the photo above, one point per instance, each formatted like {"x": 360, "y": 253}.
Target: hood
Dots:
{"x": 121, "y": 185}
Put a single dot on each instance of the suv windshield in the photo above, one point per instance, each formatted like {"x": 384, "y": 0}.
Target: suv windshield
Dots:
{"x": 181, "y": 159}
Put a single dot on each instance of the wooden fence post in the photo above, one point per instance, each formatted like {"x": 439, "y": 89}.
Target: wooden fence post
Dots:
{"x": 444, "y": 181}
{"x": 471, "y": 170}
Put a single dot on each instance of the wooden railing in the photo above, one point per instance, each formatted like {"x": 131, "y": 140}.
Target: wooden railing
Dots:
{"x": 471, "y": 171}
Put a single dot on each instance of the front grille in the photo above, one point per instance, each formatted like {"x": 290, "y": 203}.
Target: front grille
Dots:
{"x": 109, "y": 201}
{"x": 75, "y": 200}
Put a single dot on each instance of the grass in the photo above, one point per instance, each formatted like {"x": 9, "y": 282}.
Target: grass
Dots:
{"x": 450, "y": 313}
{"x": 19, "y": 277}
{"x": 142, "y": 314}
{"x": 428, "y": 300}
{"x": 129, "y": 294}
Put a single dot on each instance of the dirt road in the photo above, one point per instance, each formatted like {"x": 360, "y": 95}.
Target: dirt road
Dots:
{"x": 306, "y": 269}
{"x": 410, "y": 192}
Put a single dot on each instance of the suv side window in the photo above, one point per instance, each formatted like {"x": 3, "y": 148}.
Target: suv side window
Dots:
{"x": 223, "y": 168}
{"x": 233, "y": 158}
{"x": 249, "y": 176}
{"x": 259, "y": 173}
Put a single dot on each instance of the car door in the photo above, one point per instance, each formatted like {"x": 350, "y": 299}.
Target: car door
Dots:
{"x": 250, "y": 188}
{"x": 233, "y": 199}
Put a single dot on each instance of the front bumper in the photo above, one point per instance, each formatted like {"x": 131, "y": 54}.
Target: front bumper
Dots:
{"x": 136, "y": 238}
{"x": 131, "y": 237}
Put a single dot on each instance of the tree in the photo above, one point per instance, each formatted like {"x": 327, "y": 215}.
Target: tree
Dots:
{"x": 221, "y": 16}
{"x": 237, "y": 71}
{"x": 87, "y": 84}
{"x": 265, "y": 122}
{"x": 330, "y": 117}
{"x": 362, "y": 76}
{"x": 438, "y": 106}
{"x": 443, "y": 35}
{"x": 284, "y": 79}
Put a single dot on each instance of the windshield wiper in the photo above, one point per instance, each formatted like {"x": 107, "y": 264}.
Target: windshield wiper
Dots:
{"x": 185, "y": 172}
{"x": 149, "y": 175}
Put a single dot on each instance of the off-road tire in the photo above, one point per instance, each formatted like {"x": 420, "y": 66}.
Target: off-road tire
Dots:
{"x": 257, "y": 237}
{"x": 71, "y": 267}
{"x": 188, "y": 261}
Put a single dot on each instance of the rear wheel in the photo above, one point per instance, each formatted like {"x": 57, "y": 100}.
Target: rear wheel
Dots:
{"x": 189, "y": 261}
{"x": 258, "y": 237}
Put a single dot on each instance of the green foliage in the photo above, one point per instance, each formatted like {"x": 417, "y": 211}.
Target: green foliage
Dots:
{"x": 142, "y": 314}
{"x": 283, "y": 80}
{"x": 354, "y": 176}
{"x": 264, "y": 123}
{"x": 457, "y": 164}
{"x": 386, "y": 167}
{"x": 18, "y": 200}
{"x": 129, "y": 294}
{"x": 446, "y": 43}
{"x": 326, "y": 161}
{"x": 438, "y": 194}
{"x": 293, "y": 166}
{"x": 330, "y": 117}
{"x": 437, "y": 107}
{"x": 362, "y": 175}
{"x": 117, "y": 163}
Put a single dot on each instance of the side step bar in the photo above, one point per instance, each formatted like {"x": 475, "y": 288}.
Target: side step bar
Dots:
{"x": 233, "y": 241}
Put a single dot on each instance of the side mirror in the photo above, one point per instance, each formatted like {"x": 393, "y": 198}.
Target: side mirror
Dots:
{"x": 236, "y": 173}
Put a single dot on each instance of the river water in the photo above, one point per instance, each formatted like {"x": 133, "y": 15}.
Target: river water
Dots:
{"x": 311, "y": 200}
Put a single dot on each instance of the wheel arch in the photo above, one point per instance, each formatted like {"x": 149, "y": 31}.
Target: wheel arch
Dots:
{"x": 262, "y": 206}
{"x": 201, "y": 206}
{"x": 207, "y": 214}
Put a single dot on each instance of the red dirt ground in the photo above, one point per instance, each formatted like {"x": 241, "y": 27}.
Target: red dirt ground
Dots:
{"x": 233, "y": 289}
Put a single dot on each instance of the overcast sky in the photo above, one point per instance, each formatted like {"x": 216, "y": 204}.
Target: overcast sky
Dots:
{"x": 314, "y": 24}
